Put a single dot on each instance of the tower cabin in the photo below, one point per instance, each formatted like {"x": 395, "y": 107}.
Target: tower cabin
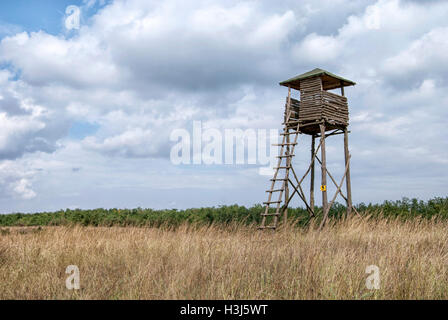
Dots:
{"x": 317, "y": 105}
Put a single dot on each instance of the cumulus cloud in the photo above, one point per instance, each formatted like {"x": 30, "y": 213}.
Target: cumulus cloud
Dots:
{"x": 15, "y": 181}
{"x": 222, "y": 45}
{"x": 423, "y": 57}
{"x": 128, "y": 61}
{"x": 25, "y": 126}
{"x": 319, "y": 49}
{"x": 138, "y": 69}
{"x": 132, "y": 143}
{"x": 43, "y": 59}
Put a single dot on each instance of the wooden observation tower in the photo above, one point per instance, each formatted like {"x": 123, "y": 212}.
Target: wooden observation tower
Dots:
{"x": 320, "y": 114}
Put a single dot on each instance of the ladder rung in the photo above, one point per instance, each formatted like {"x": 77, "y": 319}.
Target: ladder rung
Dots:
{"x": 275, "y": 190}
{"x": 269, "y": 214}
{"x": 279, "y": 179}
{"x": 285, "y": 144}
{"x": 268, "y": 202}
{"x": 286, "y": 156}
{"x": 288, "y": 133}
{"x": 287, "y": 167}
{"x": 268, "y": 227}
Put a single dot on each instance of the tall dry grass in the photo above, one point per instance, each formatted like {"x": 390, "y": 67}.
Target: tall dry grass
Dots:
{"x": 228, "y": 263}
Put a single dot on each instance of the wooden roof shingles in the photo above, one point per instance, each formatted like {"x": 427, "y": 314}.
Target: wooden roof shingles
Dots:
{"x": 329, "y": 80}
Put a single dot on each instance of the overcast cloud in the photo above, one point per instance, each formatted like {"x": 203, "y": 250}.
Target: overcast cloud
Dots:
{"x": 86, "y": 115}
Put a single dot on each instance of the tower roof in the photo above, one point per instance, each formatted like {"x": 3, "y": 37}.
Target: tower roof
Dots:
{"x": 329, "y": 80}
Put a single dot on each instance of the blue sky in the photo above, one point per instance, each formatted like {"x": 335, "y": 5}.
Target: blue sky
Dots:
{"x": 47, "y": 16}
{"x": 36, "y": 15}
{"x": 86, "y": 115}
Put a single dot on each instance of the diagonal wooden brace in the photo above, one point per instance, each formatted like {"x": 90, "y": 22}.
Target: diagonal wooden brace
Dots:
{"x": 334, "y": 181}
{"x": 335, "y": 195}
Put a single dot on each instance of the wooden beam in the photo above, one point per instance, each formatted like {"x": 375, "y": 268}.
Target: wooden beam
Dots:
{"x": 324, "y": 219}
{"x": 334, "y": 181}
{"x": 348, "y": 182}
{"x": 301, "y": 194}
{"x": 309, "y": 167}
{"x": 288, "y": 159}
{"x": 313, "y": 142}
{"x": 324, "y": 168}
{"x": 335, "y": 132}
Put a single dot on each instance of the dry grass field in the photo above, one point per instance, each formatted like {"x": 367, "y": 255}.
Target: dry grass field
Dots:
{"x": 228, "y": 263}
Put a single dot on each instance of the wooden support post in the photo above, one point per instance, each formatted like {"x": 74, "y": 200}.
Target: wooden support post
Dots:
{"x": 334, "y": 197}
{"x": 347, "y": 178}
{"x": 347, "y": 156}
{"x": 313, "y": 144}
{"x": 288, "y": 159}
{"x": 332, "y": 179}
{"x": 324, "y": 168}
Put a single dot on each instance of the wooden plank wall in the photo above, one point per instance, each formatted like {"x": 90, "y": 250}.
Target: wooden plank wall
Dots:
{"x": 335, "y": 107}
{"x": 311, "y": 99}
{"x": 316, "y": 104}
{"x": 295, "y": 107}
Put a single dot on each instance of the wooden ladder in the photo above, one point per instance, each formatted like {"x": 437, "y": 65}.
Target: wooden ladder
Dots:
{"x": 270, "y": 220}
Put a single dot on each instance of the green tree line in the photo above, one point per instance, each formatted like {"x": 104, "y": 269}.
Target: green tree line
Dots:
{"x": 403, "y": 209}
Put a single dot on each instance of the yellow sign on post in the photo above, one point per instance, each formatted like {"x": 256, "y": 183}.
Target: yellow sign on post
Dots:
{"x": 323, "y": 188}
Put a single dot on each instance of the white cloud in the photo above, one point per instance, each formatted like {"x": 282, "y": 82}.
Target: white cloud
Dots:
{"x": 139, "y": 69}
{"x": 44, "y": 59}
{"x": 15, "y": 181}
{"x": 25, "y": 126}
{"x": 422, "y": 57}
{"x": 22, "y": 188}
{"x": 132, "y": 143}
{"x": 319, "y": 49}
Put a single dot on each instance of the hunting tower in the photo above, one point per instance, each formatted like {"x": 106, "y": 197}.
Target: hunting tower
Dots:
{"x": 320, "y": 114}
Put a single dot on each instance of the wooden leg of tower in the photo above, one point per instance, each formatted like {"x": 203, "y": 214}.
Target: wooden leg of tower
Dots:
{"x": 347, "y": 178}
{"x": 324, "y": 169}
{"x": 288, "y": 164}
{"x": 313, "y": 143}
